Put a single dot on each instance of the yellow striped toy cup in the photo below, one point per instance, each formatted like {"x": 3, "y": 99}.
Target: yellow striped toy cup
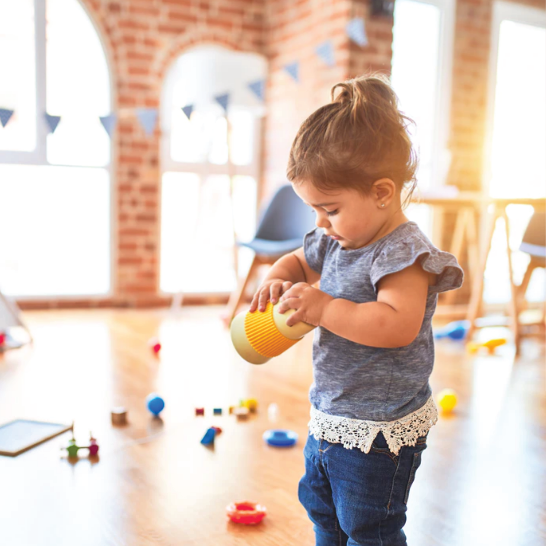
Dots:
{"x": 260, "y": 336}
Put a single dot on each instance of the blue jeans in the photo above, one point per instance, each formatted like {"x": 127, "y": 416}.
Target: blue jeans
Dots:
{"x": 354, "y": 498}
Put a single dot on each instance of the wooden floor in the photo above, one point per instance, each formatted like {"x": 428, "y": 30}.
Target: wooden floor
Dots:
{"x": 482, "y": 481}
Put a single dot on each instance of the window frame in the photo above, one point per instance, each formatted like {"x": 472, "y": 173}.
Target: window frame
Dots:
{"x": 38, "y": 156}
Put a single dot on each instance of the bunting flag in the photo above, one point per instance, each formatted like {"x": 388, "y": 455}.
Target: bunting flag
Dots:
{"x": 109, "y": 123}
{"x": 326, "y": 52}
{"x": 356, "y": 31}
{"x": 188, "y": 110}
{"x": 147, "y": 118}
{"x": 52, "y": 121}
{"x": 5, "y": 116}
{"x": 258, "y": 88}
{"x": 223, "y": 101}
{"x": 293, "y": 69}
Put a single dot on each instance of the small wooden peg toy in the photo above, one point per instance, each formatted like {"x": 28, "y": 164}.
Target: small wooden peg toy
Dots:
{"x": 73, "y": 449}
{"x": 199, "y": 411}
{"x": 217, "y": 411}
{"x": 119, "y": 416}
{"x": 241, "y": 412}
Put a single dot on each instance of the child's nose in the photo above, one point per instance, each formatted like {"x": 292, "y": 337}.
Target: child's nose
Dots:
{"x": 322, "y": 221}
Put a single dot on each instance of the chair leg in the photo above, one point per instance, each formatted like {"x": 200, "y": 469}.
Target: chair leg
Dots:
{"x": 238, "y": 294}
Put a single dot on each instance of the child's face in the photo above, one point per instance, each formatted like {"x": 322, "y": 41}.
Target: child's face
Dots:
{"x": 352, "y": 219}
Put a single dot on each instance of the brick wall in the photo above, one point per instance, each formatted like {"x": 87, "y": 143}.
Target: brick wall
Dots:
{"x": 143, "y": 37}
{"x": 294, "y": 30}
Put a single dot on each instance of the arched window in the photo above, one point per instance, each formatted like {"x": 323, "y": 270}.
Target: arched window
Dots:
{"x": 208, "y": 198}
{"x": 54, "y": 187}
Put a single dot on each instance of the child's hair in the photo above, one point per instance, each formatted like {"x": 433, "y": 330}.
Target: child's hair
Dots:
{"x": 358, "y": 138}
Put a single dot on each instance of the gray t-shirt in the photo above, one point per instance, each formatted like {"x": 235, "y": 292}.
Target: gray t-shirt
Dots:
{"x": 372, "y": 383}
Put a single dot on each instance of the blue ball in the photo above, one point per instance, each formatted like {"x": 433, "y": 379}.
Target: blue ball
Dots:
{"x": 280, "y": 437}
{"x": 155, "y": 403}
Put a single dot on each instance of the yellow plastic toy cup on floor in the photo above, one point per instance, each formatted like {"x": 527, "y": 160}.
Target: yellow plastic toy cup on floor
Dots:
{"x": 262, "y": 335}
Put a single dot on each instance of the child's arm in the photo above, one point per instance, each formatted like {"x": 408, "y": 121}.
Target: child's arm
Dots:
{"x": 394, "y": 320}
{"x": 285, "y": 272}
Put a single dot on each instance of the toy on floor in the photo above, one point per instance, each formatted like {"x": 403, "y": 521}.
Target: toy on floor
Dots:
{"x": 454, "y": 330}
{"x": 447, "y": 400}
{"x": 199, "y": 411}
{"x": 2, "y": 338}
{"x": 119, "y": 416}
{"x": 241, "y": 412}
{"x": 273, "y": 412}
{"x": 247, "y": 513}
{"x": 208, "y": 438}
{"x": 154, "y": 344}
{"x": 260, "y": 336}
{"x": 217, "y": 411}
{"x": 73, "y": 449}
{"x": 251, "y": 404}
{"x": 280, "y": 437}
{"x": 155, "y": 404}
{"x": 491, "y": 345}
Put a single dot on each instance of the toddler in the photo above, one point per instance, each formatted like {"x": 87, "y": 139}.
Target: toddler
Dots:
{"x": 373, "y": 350}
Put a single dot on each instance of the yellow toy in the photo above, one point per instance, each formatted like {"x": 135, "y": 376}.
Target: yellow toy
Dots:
{"x": 491, "y": 344}
{"x": 260, "y": 336}
{"x": 251, "y": 404}
{"x": 447, "y": 400}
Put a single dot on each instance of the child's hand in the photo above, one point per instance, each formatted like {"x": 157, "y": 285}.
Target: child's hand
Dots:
{"x": 270, "y": 289}
{"x": 308, "y": 301}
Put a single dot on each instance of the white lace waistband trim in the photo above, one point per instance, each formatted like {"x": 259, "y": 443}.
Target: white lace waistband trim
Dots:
{"x": 361, "y": 433}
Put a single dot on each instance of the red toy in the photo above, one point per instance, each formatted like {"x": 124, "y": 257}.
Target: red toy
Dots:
{"x": 2, "y": 338}
{"x": 155, "y": 345}
{"x": 248, "y": 513}
{"x": 217, "y": 429}
{"x": 199, "y": 411}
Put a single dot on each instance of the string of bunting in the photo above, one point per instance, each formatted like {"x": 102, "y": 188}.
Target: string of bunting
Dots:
{"x": 147, "y": 117}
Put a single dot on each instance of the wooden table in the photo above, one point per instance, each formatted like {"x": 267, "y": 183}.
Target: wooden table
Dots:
{"x": 465, "y": 204}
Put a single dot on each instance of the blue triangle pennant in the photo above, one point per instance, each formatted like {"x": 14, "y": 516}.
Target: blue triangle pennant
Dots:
{"x": 147, "y": 118}
{"x": 293, "y": 69}
{"x": 109, "y": 123}
{"x": 326, "y": 52}
{"x": 356, "y": 31}
{"x": 188, "y": 110}
{"x": 5, "y": 116}
{"x": 223, "y": 101}
{"x": 52, "y": 121}
{"x": 258, "y": 88}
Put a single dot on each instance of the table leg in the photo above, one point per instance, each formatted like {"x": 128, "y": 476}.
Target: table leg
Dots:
{"x": 513, "y": 290}
{"x": 476, "y": 295}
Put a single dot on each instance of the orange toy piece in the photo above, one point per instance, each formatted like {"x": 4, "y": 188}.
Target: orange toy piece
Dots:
{"x": 248, "y": 513}
{"x": 490, "y": 345}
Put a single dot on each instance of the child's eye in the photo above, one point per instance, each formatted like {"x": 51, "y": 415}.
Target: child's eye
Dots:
{"x": 332, "y": 212}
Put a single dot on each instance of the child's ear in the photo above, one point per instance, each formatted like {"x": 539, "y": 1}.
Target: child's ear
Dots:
{"x": 384, "y": 190}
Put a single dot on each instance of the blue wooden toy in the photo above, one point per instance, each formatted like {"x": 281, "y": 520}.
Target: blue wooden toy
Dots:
{"x": 280, "y": 437}
{"x": 454, "y": 330}
{"x": 155, "y": 404}
{"x": 209, "y": 436}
